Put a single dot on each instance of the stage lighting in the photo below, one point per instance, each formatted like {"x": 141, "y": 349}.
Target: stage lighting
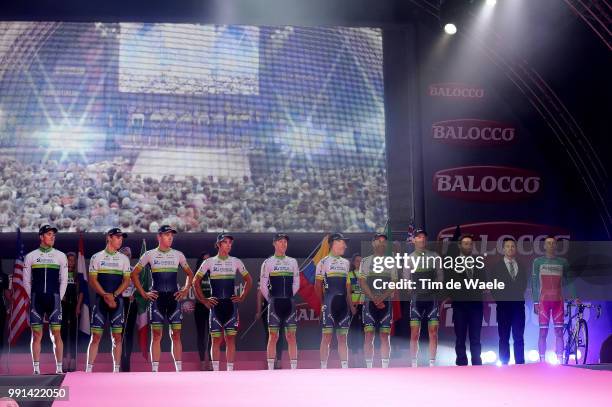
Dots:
{"x": 551, "y": 358}
{"x": 492, "y": 356}
{"x": 453, "y": 14}
{"x": 488, "y": 357}
{"x": 66, "y": 142}
{"x": 573, "y": 357}
{"x": 459, "y": 14}
{"x": 450, "y": 29}
{"x": 70, "y": 139}
{"x": 533, "y": 355}
{"x": 499, "y": 363}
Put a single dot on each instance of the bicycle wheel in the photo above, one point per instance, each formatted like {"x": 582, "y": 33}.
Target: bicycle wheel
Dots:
{"x": 570, "y": 345}
{"x": 582, "y": 343}
{"x": 577, "y": 346}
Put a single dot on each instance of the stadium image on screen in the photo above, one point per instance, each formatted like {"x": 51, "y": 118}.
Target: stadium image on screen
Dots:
{"x": 205, "y": 127}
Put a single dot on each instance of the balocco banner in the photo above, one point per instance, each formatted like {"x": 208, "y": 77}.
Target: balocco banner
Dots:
{"x": 487, "y": 183}
{"x": 456, "y": 90}
{"x": 490, "y": 236}
{"x": 473, "y": 132}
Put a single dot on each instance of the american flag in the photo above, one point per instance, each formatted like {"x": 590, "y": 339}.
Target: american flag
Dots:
{"x": 19, "y": 308}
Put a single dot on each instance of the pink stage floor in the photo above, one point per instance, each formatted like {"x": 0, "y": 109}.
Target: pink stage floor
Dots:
{"x": 21, "y": 364}
{"x": 527, "y": 385}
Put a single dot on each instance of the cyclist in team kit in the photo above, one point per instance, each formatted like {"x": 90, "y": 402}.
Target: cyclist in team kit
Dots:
{"x": 109, "y": 275}
{"x": 279, "y": 283}
{"x": 424, "y": 306}
{"x": 223, "y": 304}
{"x": 45, "y": 279}
{"x": 165, "y": 295}
{"x": 377, "y": 308}
{"x": 334, "y": 286}
{"x": 549, "y": 274}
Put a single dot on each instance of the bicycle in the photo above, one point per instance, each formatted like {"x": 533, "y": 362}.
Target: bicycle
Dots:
{"x": 576, "y": 332}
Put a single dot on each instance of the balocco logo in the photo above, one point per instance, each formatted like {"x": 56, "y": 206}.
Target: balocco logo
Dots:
{"x": 456, "y": 90}
{"x": 489, "y": 237}
{"x": 487, "y": 183}
{"x": 473, "y": 132}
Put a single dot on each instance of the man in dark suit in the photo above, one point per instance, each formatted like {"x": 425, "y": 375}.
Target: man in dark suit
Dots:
{"x": 510, "y": 303}
{"x": 467, "y": 303}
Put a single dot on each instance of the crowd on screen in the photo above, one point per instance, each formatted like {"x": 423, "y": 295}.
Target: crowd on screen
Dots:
{"x": 212, "y": 84}
{"x": 94, "y": 197}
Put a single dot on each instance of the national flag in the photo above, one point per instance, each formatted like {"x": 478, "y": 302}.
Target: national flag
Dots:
{"x": 453, "y": 248}
{"x": 84, "y": 318}
{"x": 19, "y": 306}
{"x": 307, "y": 277}
{"x": 142, "y": 317}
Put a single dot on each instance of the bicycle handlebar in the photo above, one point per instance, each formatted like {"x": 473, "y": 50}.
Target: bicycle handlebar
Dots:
{"x": 573, "y": 303}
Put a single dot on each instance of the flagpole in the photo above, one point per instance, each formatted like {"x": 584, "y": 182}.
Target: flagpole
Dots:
{"x": 125, "y": 322}
{"x": 76, "y": 341}
{"x": 8, "y": 356}
{"x": 386, "y": 231}
{"x": 246, "y": 331}
{"x": 78, "y": 318}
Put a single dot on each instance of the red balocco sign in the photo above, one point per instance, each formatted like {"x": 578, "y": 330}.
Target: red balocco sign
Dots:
{"x": 487, "y": 183}
{"x": 473, "y": 132}
{"x": 456, "y": 90}
{"x": 489, "y": 236}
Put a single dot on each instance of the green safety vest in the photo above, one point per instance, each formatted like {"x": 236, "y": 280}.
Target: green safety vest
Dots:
{"x": 357, "y": 295}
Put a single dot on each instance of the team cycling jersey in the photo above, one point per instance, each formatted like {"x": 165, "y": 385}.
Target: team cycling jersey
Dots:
{"x": 366, "y": 272}
{"x": 222, "y": 272}
{"x": 164, "y": 268}
{"x": 549, "y": 274}
{"x": 424, "y": 266}
{"x": 280, "y": 277}
{"x": 110, "y": 269}
{"x": 334, "y": 272}
{"x": 45, "y": 271}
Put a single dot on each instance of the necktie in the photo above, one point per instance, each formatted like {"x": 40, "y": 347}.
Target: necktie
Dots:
{"x": 512, "y": 269}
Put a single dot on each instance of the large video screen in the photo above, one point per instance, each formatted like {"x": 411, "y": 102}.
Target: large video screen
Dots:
{"x": 205, "y": 127}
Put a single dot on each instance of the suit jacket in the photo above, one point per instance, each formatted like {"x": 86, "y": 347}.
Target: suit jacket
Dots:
{"x": 465, "y": 294}
{"x": 514, "y": 288}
